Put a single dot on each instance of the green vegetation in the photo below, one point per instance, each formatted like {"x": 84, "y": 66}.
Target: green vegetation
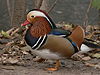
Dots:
{"x": 96, "y": 4}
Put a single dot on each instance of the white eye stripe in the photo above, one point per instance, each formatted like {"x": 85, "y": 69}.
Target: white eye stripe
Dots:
{"x": 38, "y": 13}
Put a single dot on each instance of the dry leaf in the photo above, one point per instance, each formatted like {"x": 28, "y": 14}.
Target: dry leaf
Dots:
{"x": 97, "y": 66}
{"x": 12, "y": 60}
{"x": 9, "y": 43}
{"x": 92, "y": 65}
{"x": 10, "y": 31}
{"x": 86, "y": 58}
{"x": 24, "y": 52}
{"x": 97, "y": 55}
{"x": 0, "y": 59}
{"x": 25, "y": 48}
{"x": 89, "y": 64}
{"x": 1, "y": 35}
{"x": 67, "y": 27}
{"x": 15, "y": 31}
{"x": 77, "y": 56}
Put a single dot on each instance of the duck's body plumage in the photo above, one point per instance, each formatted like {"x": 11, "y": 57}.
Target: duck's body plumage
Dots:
{"x": 49, "y": 42}
{"x": 51, "y": 45}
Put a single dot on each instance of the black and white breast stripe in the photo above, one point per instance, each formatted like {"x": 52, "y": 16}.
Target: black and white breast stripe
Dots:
{"x": 41, "y": 40}
{"x": 34, "y": 42}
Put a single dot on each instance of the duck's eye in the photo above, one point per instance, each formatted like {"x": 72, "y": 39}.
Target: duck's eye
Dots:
{"x": 32, "y": 16}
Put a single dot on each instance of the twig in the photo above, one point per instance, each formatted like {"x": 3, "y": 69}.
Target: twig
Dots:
{"x": 86, "y": 15}
{"x": 15, "y": 31}
{"x": 10, "y": 31}
{"x": 12, "y": 12}
{"x": 53, "y": 5}
{"x": 9, "y": 9}
{"x": 99, "y": 15}
{"x": 8, "y": 67}
{"x": 39, "y": 4}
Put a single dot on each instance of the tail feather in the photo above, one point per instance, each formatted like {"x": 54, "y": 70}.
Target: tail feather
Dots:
{"x": 87, "y": 46}
{"x": 78, "y": 35}
{"x": 84, "y": 48}
{"x": 91, "y": 43}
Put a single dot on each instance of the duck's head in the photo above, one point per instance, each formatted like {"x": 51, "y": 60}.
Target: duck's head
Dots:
{"x": 37, "y": 13}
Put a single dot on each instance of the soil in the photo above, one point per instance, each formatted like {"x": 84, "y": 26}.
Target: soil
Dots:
{"x": 69, "y": 67}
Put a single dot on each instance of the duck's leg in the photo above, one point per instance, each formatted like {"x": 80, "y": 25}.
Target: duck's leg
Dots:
{"x": 57, "y": 66}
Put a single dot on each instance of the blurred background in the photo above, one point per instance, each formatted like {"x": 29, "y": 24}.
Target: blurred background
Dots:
{"x": 13, "y": 12}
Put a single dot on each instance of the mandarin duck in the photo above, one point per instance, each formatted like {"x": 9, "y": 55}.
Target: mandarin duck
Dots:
{"x": 49, "y": 42}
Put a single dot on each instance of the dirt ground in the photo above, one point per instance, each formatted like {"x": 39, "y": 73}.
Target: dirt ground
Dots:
{"x": 69, "y": 67}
